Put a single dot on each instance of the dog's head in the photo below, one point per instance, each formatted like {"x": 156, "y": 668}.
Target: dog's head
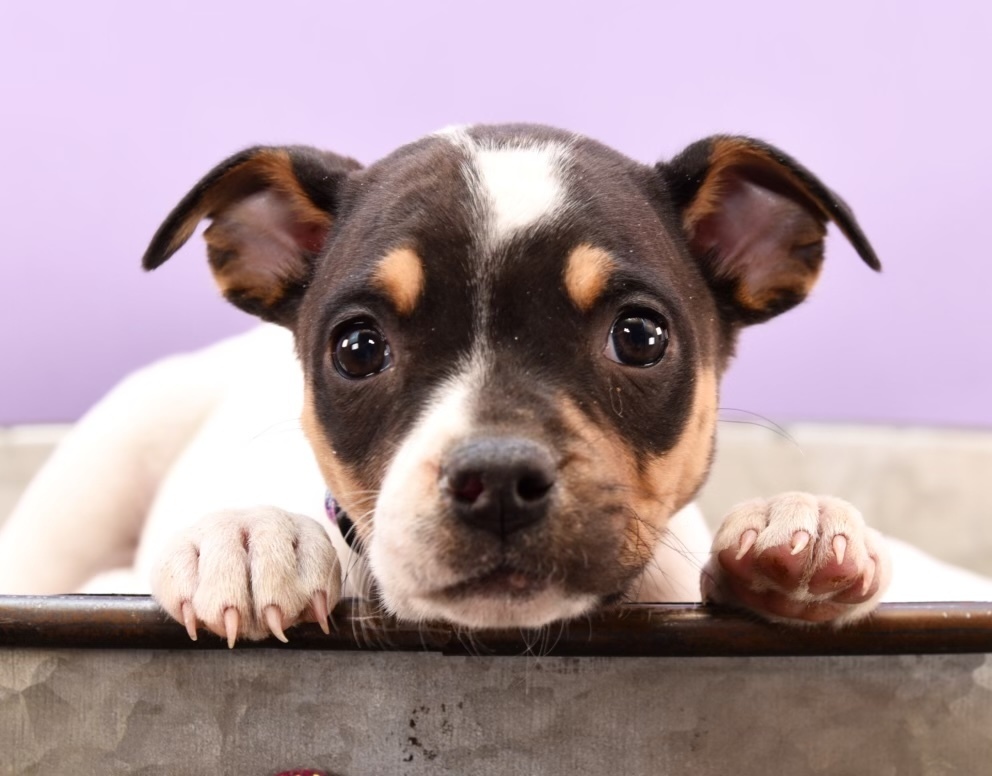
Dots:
{"x": 512, "y": 339}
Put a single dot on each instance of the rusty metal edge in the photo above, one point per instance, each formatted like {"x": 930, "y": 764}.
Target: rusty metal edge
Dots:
{"x": 641, "y": 630}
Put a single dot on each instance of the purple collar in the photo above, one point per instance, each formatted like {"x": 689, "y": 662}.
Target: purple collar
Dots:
{"x": 344, "y": 523}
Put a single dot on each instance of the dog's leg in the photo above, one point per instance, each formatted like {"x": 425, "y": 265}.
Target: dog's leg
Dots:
{"x": 248, "y": 573}
{"x": 917, "y": 576}
{"x": 83, "y": 513}
{"x": 798, "y": 558}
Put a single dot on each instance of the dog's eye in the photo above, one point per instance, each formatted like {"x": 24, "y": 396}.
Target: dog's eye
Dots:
{"x": 638, "y": 338}
{"x": 360, "y": 350}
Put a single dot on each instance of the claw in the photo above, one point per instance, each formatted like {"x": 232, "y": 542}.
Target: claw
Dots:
{"x": 273, "y": 618}
{"x": 748, "y": 538}
{"x": 840, "y": 547}
{"x": 231, "y": 622}
{"x": 800, "y": 541}
{"x": 318, "y": 604}
{"x": 189, "y": 619}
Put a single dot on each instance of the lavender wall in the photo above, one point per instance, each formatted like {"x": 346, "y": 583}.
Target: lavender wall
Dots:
{"x": 110, "y": 111}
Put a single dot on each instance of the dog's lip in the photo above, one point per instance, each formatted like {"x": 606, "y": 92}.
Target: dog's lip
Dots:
{"x": 504, "y": 581}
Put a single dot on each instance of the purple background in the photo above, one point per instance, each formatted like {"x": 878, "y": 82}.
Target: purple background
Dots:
{"x": 111, "y": 111}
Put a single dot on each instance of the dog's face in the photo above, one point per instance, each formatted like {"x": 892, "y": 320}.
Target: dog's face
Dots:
{"x": 512, "y": 339}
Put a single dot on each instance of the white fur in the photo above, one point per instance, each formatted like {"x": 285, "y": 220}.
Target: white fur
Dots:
{"x": 521, "y": 187}
{"x": 193, "y": 434}
{"x": 403, "y": 519}
{"x": 248, "y": 559}
{"x": 514, "y": 187}
{"x": 673, "y": 573}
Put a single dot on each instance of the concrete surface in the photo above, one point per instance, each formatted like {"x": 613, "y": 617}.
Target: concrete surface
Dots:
{"x": 356, "y": 714}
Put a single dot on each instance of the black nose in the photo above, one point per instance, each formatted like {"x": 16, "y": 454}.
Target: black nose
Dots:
{"x": 499, "y": 484}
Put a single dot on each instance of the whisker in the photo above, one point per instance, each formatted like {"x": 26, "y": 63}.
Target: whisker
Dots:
{"x": 279, "y": 427}
{"x": 467, "y": 638}
{"x": 767, "y": 423}
{"x": 646, "y": 540}
{"x": 673, "y": 542}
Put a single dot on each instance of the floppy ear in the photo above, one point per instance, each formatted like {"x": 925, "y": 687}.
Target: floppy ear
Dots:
{"x": 271, "y": 211}
{"x": 755, "y": 220}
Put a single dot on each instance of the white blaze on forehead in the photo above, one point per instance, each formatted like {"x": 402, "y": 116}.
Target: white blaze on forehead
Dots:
{"x": 516, "y": 185}
{"x": 521, "y": 186}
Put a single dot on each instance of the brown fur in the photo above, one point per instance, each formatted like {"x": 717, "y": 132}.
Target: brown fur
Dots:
{"x": 726, "y": 154}
{"x": 274, "y": 167}
{"x": 263, "y": 224}
{"x": 587, "y": 271}
{"x": 341, "y": 480}
{"x": 654, "y": 490}
{"x": 672, "y": 478}
{"x": 400, "y": 274}
{"x": 768, "y": 244}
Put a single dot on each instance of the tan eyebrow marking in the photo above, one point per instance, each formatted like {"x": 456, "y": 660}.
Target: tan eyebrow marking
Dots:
{"x": 586, "y": 271}
{"x": 401, "y": 275}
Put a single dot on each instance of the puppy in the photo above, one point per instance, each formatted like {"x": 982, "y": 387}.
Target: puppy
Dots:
{"x": 506, "y": 349}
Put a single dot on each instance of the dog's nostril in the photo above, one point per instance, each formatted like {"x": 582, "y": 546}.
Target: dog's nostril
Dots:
{"x": 467, "y": 488}
{"x": 534, "y": 486}
{"x": 500, "y": 484}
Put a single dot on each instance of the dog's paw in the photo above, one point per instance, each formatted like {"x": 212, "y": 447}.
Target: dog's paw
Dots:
{"x": 248, "y": 573}
{"x": 798, "y": 558}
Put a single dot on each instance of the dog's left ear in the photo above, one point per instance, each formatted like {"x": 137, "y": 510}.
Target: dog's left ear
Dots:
{"x": 272, "y": 209}
{"x": 755, "y": 220}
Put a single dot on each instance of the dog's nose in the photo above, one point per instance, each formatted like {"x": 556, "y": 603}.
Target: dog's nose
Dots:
{"x": 499, "y": 484}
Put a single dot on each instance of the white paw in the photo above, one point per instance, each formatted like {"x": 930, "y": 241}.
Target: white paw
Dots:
{"x": 248, "y": 573}
{"x": 798, "y": 558}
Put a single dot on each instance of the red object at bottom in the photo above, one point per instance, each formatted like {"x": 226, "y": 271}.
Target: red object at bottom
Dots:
{"x": 303, "y": 772}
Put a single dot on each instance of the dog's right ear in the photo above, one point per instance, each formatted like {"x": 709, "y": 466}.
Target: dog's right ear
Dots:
{"x": 271, "y": 210}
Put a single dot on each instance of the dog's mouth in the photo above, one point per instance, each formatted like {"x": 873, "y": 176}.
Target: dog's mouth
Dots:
{"x": 504, "y": 581}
